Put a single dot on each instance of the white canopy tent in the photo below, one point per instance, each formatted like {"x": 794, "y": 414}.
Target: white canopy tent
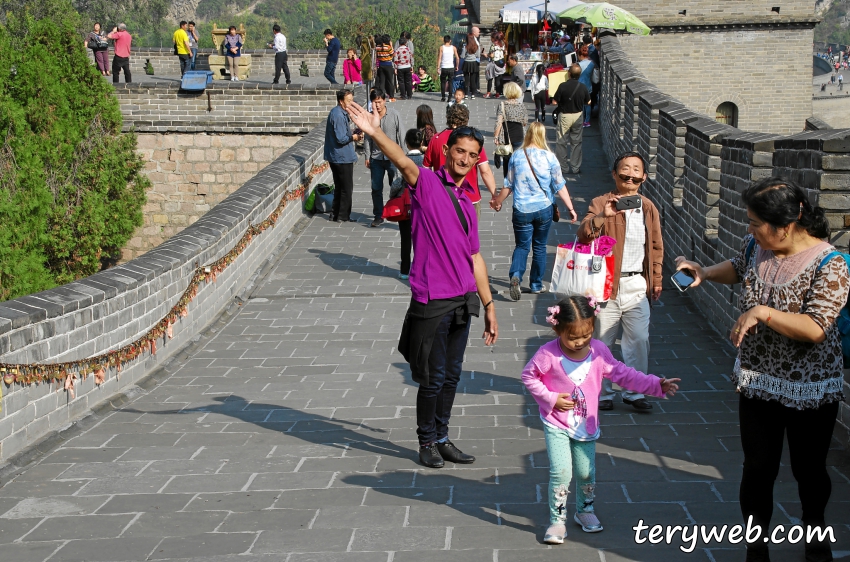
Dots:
{"x": 538, "y": 7}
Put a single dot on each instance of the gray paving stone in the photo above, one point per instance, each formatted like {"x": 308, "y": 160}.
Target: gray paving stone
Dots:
{"x": 80, "y": 527}
{"x": 146, "y": 503}
{"x": 175, "y": 524}
{"x": 305, "y": 540}
{"x": 203, "y": 545}
{"x": 30, "y": 552}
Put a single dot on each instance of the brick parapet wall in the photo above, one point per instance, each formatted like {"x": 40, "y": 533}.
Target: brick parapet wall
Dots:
{"x": 165, "y": 63}
{"x": 114, "y": 307}
{"x": 237, "y": 107}
{"x": 701, "y": 167}
{"x": 190, "y": 173}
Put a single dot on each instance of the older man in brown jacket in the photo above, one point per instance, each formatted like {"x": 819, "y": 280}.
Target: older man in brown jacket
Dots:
{"x": 638, "y": 257}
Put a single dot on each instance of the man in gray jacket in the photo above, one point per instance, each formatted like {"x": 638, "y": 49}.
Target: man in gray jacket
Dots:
{"x": 376, "y": 161}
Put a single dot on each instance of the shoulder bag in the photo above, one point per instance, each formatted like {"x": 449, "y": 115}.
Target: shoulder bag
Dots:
{"x": 507, "y": 148}
{"x": 556, "y": 213}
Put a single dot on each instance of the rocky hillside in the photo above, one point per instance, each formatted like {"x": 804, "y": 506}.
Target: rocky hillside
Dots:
{"x": 835, "y": 27}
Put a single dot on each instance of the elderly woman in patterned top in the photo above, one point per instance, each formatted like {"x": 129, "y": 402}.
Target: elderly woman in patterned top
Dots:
{"x": 789, "y": 366}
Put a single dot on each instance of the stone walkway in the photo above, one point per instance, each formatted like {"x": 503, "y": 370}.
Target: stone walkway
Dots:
{"x": 287, "y": 434}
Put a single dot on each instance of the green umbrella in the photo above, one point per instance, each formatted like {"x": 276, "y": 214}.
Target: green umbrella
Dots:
{"x": 604, "y": 15}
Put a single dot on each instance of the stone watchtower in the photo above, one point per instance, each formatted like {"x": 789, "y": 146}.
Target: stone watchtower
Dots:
{"x": 748, "y": 62}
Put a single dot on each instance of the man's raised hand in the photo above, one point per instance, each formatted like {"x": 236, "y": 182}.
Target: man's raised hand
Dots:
{"x": 367, "y": 122}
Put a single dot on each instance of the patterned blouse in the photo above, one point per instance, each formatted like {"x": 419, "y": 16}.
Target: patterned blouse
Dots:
{"x": 517, "y": 117}
{"x": 771, "y": 366}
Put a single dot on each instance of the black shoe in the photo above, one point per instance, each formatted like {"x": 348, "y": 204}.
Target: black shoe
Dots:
{"x": 376, "y": 223}
{"x": 333, "y": 218}
{"x": 817, "y": 551}
{"x": 757, "y": 554}
{"x": 452, "y": 454}
{"x": 430, "y": 456}
{"x": 274, "y": 81}
{"x": 639, "y": 404}
{"x": 606, "y": 404}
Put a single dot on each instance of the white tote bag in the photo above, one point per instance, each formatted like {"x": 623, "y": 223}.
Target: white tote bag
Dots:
{"x": 578, "y": 274}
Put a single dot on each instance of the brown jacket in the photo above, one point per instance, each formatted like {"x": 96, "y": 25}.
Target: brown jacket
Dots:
{"x": 615, "y": 227}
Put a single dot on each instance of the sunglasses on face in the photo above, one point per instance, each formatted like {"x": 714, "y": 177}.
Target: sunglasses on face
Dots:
{"x": 635, "y": 180}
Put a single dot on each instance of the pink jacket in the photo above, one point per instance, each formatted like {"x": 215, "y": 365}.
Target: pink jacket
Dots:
{"x": 545, "y": 379}
{"x": 351, "y": 70}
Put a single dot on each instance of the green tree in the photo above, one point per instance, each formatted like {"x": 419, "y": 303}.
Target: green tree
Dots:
{"x": 71, "y": 189}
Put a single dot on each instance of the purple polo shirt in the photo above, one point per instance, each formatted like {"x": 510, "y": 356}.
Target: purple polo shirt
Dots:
{"x": 442, "y": 251}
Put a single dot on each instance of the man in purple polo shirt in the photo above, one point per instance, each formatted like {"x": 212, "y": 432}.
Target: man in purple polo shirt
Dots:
{"x": 446, "y": 273}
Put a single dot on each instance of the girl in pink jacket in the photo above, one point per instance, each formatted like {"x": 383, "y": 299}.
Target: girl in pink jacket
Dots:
{"x": 565, "y": 376}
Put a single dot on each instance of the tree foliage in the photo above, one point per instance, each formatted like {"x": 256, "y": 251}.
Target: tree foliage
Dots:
{"x": 71, "y": 191}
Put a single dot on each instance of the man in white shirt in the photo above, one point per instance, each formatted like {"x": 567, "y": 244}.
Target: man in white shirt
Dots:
{"x": 280, "y": 56}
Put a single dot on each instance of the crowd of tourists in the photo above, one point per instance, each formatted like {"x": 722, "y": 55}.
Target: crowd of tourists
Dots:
{"x": 792, "y": 283}
{"x": 789, "y": 369}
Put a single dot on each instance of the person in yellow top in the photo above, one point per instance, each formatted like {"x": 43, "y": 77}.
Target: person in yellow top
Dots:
{"x": 182, "y": 48}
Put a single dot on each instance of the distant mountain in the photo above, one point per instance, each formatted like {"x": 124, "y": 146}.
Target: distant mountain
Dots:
{"x": 835, "y": 27}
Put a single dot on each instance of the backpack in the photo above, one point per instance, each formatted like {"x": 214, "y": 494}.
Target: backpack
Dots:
{"x": 320, "y": 199}
{"x": 842, "y": 323}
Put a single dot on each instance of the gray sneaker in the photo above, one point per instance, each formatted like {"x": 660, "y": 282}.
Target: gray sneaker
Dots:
{"x": 555, "y": 534}
{"x": 516, "y": 293}
{"x": 588, "y": 521}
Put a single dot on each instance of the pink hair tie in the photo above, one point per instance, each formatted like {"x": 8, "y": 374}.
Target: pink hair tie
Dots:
{"x": 553, "y": 311}
{"x": 591, "y": 300}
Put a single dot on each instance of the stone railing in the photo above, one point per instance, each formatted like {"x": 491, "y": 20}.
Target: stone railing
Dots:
{"x": 224, "y": 107}
{"x": 698, "y": 168}
{"x": 111, "y": 309}
{"x": 166, "y": 63}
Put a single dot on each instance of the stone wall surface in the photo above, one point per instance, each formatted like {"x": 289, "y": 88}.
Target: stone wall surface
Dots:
{"x": 190, "y": 173}
{"x": 717, "y": 10}
{"x": 756, "y": 79}
{"x": 116, "y": 306}
{"x": 224, "y": 107}
{"x": 698, "y": 169}
{"x": 165, "y": 63}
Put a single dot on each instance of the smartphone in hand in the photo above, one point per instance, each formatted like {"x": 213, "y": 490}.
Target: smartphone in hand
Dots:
{"x": 683, "y": 279}
{"x": 628, "y": 202}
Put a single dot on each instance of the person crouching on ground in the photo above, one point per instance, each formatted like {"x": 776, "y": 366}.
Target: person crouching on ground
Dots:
{"x": 447, "y": 271}
{"x": 564, "y": 377}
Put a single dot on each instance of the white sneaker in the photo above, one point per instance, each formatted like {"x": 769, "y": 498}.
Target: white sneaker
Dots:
{"x": 588, "y": 521}
{"x": 555, "y": 534}
{"x": 232, "y": 78}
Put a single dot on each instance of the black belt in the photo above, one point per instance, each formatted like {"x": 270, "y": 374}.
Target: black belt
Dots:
{"x": 629, "y": 273}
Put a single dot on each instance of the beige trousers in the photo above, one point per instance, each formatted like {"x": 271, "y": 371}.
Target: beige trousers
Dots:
{"x": 630, "y": 310}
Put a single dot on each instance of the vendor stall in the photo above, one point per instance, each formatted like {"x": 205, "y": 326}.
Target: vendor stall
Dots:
{"x": 532, "y": 22}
